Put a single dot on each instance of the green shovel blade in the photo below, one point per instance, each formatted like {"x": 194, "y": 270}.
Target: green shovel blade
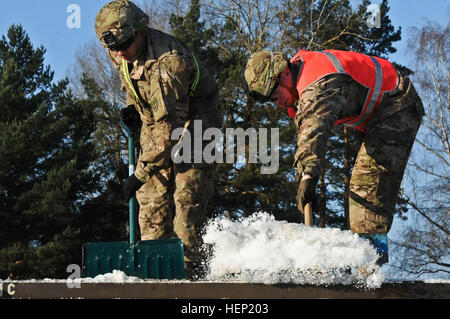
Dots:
{"x": 156, "y": 259}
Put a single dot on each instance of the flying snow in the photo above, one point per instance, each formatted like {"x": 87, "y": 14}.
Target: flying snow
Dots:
{"x": 260, "y": 249}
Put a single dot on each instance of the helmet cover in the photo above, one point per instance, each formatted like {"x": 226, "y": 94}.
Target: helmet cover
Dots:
{"x": 262, "y": 70}
{"x": 118, "y": 21}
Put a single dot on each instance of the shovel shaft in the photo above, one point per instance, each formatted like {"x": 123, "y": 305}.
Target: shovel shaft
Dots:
{"x": 132, "y": 199}
{"x": 308, "y": 215}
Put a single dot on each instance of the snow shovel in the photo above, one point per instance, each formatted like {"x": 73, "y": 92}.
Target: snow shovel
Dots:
{"x": 156, "y": 259}
{"x": 308, "y": 215}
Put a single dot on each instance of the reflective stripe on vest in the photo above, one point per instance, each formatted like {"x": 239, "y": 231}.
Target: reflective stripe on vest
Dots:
{"x": 376, "y": 74}
{"x": 374, "y": 100}
{"x": 126, "y": 74}
{"x": 197, "y": 75}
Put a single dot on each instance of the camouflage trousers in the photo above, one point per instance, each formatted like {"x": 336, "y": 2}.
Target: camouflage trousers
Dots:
{"x": 382, "y": 159}
{"x": 174, "y": 203}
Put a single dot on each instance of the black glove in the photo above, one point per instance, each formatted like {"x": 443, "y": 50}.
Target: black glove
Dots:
{"x": 130, "y": 117}
{"x": 131, "y": 186}
{"x": 307, "y": 194}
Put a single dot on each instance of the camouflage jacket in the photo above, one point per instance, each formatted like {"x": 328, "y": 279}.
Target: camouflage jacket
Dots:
{"x": 162, "y": 79}
{"x": 329, "y": 99}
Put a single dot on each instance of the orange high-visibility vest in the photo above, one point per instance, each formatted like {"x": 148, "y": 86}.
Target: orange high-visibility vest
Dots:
{"x": 376, "y": 74}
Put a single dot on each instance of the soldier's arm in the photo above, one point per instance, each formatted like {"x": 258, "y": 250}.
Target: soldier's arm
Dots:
{"x": 317, "y": 114}
{"x": 169, "y": 84}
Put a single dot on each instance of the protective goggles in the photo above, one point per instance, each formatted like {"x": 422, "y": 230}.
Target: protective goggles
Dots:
{"x": 116, "y": 43}
{"x": 258, "y": 96}
{"x": 261, "y": 97}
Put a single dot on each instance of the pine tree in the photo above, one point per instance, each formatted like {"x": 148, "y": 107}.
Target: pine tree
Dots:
{"x": 192, "y": 32}
{"x": 46, "y": 153}
{"x": 104, "y": 217}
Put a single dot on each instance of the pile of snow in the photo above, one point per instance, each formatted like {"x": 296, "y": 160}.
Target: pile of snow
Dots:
{"x": 116, "y": 276}
{"x": 259, "y": 249}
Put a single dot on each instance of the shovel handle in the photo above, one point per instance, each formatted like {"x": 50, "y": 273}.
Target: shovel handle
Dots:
{"x": 131, "y": 157}
{"x": 308, "y": 215}
{"x": 132, "y": 214}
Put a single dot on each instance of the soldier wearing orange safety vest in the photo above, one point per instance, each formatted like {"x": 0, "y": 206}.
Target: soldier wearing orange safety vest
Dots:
{"x": 321, "y": 89}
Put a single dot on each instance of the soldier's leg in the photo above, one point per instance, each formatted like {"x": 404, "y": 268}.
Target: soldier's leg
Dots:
{"x": 381, "y": 162}
{"x": 372, "y": 191}
{"x": 193, "y": 190}
{"x": 155, "y": 206}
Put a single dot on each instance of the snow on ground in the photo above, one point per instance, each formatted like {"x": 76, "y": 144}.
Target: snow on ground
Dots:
{"x": 259, "y": 249}
{"x": 116, "y": 276}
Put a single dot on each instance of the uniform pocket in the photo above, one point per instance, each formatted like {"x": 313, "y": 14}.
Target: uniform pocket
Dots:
{"x": 156, "y": 100}
{"x": 154, "y": 90}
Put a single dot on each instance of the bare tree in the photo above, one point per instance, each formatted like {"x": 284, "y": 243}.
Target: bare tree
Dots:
{"x": 252, "y": 22}
{"x": 159, "y": 11}
{"x": 425, "y": 245}
{"x": 92, "y": 60}
{"x": 289, "y": 24}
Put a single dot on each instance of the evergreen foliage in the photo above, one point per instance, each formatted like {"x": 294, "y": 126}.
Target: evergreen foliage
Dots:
{"x": 47, "y": 170}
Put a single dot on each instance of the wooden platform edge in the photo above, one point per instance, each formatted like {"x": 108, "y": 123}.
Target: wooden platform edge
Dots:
{"x": 217, "y": 290}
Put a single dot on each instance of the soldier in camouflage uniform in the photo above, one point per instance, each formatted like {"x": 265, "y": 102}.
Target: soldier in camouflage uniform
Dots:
{"x": 389, "y": 132}
{"x": 166, "y": 88}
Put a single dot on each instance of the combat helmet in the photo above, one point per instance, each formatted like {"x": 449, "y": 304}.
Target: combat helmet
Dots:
{"x": 117, "y": 23}
{"x": 262, "y": 72}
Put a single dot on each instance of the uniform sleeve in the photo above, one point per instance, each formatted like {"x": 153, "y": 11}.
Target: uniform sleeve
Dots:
{"x": 169, "y": 81}
{"x": 129, "y": 99}
{"x": 317, "y": 108}
{"x": 156, "y": 147}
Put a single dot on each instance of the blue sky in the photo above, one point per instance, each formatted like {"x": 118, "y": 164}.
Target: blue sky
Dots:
{"x": 45, "y": 23}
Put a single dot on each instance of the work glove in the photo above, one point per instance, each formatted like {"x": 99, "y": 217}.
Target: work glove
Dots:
{"x": 131, "y": 186}
{"x": 130, "y": 117}
{"x": 307, "y": 194}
